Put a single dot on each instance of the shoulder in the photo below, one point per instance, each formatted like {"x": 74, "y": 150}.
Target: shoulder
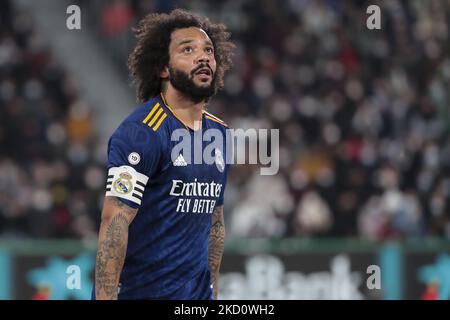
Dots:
{"x": 140, "y": 127}
{"x": 217, "y": 122}
{"x": 150, "y": 114}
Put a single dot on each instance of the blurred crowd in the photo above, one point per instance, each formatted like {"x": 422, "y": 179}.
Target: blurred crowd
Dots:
{"x": 363, "y": 117}
{"x": 50, "y": 177}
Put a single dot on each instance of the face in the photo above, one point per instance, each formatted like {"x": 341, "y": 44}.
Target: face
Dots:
{"x": 192, "y": 66}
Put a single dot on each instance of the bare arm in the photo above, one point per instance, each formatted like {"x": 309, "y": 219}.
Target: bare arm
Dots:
{"x": 112, "y": 246}
{"x": 215, "y": 247}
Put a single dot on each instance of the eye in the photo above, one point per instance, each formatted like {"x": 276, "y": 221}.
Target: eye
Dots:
{"x": 187, "y": 49}
{"x": 209, "y": 50}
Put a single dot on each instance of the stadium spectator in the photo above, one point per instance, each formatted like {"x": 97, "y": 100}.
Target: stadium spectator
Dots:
{"x": 363, "y": 116}
{"x": 48, "y": 174}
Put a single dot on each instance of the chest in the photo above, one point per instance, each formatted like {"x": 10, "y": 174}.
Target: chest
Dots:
{"x": 191, "y": 158}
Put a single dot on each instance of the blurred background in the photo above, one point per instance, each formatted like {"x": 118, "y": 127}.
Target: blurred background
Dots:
{"x": 364, "y": 144}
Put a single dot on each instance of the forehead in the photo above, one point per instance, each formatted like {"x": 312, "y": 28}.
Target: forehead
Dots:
{"x": 193, "y": 34}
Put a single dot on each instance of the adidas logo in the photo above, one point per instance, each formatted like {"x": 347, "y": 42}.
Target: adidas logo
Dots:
{"x": 180, "y": 162}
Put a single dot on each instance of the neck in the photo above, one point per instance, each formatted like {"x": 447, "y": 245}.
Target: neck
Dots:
{"x": 187, "y": 111}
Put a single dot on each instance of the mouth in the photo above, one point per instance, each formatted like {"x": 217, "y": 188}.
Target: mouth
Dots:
{"x": 203, "y": 74}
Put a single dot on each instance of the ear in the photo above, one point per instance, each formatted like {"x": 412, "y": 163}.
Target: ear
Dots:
{"x": 164, "y": 74}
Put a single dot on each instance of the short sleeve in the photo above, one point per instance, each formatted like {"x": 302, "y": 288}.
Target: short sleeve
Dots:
{"x": 220, "y": 200}
{"x": 134, "y": 154}
{"x": 227, "y": 158}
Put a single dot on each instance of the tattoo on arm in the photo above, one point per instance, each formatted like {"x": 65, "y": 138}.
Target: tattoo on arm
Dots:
{"x": 130, "y": 212}
{"x": 215, "y": 246}
{"x": 111, "y": 251}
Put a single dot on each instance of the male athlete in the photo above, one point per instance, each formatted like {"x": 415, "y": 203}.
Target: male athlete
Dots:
{"x": 162, "y": 229}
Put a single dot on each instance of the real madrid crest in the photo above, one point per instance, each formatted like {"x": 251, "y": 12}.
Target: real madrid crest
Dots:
{"x": 220, "y": 163}
{"x": 123, "y": 185}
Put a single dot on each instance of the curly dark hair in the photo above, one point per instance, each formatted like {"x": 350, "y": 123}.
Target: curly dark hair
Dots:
{"x": 151, "y": 53}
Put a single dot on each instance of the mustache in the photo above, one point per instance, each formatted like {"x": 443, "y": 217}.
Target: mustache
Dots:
{"x": 200, "y": 66}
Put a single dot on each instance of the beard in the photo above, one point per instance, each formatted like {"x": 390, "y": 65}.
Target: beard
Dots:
{"x": 184, "y": 83}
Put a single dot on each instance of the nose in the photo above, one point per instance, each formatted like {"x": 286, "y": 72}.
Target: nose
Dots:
{"x": 203, "y": 58}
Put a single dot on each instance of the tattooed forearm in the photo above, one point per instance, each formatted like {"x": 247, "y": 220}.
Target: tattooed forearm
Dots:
{"x": 110, "y": 256}
{"x": 130, "y": 212}
{"x": 215, "y": 246}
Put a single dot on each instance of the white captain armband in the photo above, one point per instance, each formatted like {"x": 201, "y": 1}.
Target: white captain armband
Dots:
{"x": 126, "y": 183}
